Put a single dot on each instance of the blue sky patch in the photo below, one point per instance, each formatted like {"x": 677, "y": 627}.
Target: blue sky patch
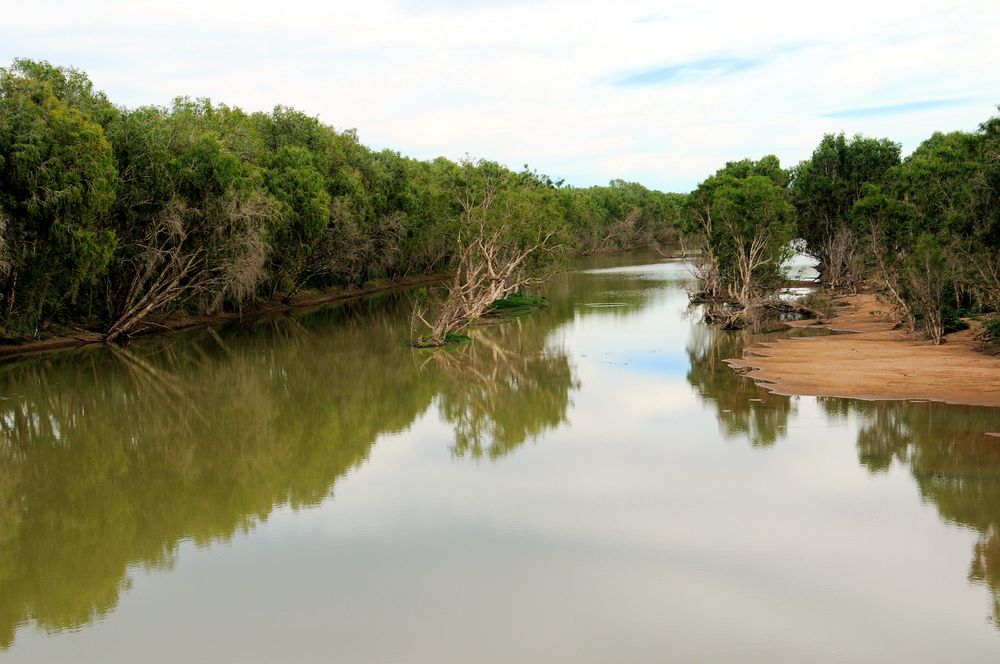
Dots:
{"x": 909, "y": 107}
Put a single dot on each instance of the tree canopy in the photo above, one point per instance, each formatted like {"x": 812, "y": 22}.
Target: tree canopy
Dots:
{"x": 111, "y": 217}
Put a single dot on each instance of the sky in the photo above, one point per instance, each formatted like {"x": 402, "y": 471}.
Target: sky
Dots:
{"x": 662, "y": 93}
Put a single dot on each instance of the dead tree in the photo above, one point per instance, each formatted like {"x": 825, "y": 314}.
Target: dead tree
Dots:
{"x": 624, "y": 234}
{"x": 886, "y": 274}
{"x": 490, "y": 266}
{"x": 751, "y": 254}
{"x": 489, "y": 269}
{"x": 158, "y": 274}
{"x": 705, "y": 262}
{"x": 171, "y": 266}
{"x": 841, "y": 267}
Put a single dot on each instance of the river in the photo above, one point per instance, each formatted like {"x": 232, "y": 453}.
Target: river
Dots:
{"x": 589, "y": 483}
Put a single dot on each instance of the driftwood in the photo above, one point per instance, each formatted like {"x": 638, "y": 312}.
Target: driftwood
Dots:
{"x": 731, "y": 314}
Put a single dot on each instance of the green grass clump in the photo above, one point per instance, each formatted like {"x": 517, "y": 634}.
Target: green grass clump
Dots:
{"x": 450, "y": 339}
{"x": 519, "y": 301}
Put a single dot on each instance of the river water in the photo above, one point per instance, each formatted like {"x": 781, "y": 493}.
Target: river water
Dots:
{"x": 586, "y": 484}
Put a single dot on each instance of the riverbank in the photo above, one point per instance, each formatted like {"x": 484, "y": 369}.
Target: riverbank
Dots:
{"x": 874, "y": 361}
{"x": 166, "y": 326}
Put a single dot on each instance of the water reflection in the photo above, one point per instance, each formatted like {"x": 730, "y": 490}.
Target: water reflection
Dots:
{"x": 108, "y": 459}
{"x": 638, "y": 504}
{"x": 742, "y": 409}
{"x": 956, "y": 466}
{"x": 502, "y": 389}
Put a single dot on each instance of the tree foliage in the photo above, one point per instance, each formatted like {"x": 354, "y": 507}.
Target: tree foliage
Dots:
{"x": 930, "y": 230}
{"x": 825, "y": 187}
{"x": 57, "y": 184}
{"x": 741, "y": 223}
{"x": 112, "y": 218}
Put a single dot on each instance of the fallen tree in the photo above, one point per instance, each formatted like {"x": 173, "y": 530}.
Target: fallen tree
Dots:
{"x": 503, "y": 256}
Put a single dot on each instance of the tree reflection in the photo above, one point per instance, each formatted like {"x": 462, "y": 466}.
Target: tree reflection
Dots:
{"x": 743, "y": 409}
{"x": 108, "y": 459}
{"x": 955, "y": 464}
{"x": 503, "y": 389}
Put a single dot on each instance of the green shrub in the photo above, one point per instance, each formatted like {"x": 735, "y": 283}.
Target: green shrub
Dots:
{"x": 519, "y": 301}
{"x": 992, "y": 327}
{"x": 818, "y": 301}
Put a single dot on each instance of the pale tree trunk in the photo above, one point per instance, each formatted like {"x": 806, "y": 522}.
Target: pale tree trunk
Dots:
{"x": 927, "y": 286}
{"x": 749, "y": 257}
{"x": 888, "y": 275}
{"x": 487, "y": 271}
{"x": 705, "y": 265}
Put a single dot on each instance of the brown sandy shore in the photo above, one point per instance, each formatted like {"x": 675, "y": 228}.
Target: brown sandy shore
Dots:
{"x": 875, "y": 362}
{"x": 84, "y": 338}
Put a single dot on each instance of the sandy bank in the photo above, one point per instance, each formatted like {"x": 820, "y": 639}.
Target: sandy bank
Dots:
{"x": 875, "y": 362}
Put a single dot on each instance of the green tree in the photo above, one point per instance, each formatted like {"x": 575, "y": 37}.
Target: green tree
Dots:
{"x": 741, "y": 223}
{"x": 305, "y": 212}
{"x": 825, "y": 187}
{"x": 57, "y": 184}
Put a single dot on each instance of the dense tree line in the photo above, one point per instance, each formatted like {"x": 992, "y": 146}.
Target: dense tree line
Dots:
{"x": 111, "y": 217}
{"x": 742, "y": 224}
{"x": 923, "y": 231}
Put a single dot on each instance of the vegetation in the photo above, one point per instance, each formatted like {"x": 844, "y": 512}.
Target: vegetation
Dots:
{"x": 819, "y": 302}
{"x": 114, "y": 219}
{"x": 931, "y": 229}
{"x": 519, "y": 301}
{"x": 923, "y": 231}
{"x": 991, "y": 333}
{"x": 203, "y": 436}
{"x": 825, "y": 188}
{"x": 741, "y": 224}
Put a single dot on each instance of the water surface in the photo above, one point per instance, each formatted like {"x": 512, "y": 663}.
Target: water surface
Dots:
{"x": 586, "y": 484}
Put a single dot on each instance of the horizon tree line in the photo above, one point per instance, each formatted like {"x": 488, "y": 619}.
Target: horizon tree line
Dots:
{"x": 113, "y": 219}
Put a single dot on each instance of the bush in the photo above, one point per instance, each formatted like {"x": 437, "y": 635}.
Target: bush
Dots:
{"x": 519, "y": 301}
{"x": 992, "y": 327}
{"x": 819, "y": 302}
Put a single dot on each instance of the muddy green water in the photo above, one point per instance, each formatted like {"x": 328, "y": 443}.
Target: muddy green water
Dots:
{"x": 587, "y": 484}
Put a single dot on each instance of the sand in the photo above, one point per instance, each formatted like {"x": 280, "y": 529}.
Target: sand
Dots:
{"x": 875, "y": 361}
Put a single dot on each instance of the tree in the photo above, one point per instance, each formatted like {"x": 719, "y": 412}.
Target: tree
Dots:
{"x": 304, "y": 214}
{"x": 5, "y": 259}
{"x": 756, "y": 224}
{"x": 741, "y": 224}
{"x": 508, "y": 242}
{"x": 57, "y": 184}
{"x": 825, "y": 187}
{"x": 927, "y": 280}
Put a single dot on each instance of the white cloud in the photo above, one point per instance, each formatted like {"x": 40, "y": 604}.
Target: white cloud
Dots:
{"x": 535, "y": 82}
